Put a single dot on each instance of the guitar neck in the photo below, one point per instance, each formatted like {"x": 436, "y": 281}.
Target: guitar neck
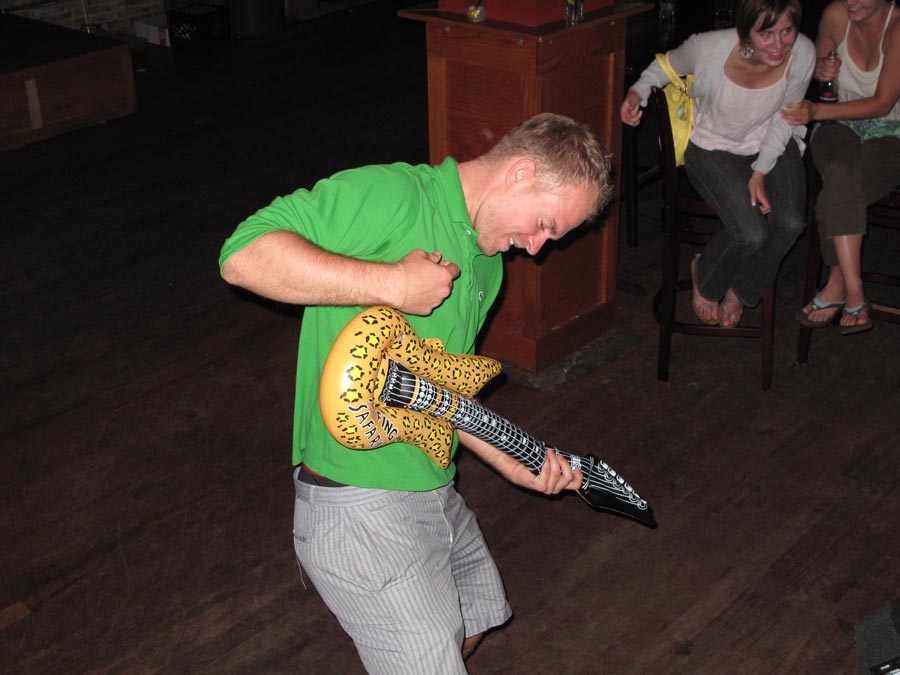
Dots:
{"x": 405, "y": 389}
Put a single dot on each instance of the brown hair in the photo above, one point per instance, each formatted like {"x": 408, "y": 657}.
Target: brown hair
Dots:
{"x": 747, "y": 13}
{"x": 565, "y": 152}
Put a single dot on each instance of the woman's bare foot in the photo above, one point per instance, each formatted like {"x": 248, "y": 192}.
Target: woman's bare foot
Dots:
{"x": 821, "y": 312}
{"x": 828, "y": 305}
{"x": 856, "y": 317}
{"x": 827, "y": 302}
{"x": 706, "y": 310}
{"x": 732, "y": 310}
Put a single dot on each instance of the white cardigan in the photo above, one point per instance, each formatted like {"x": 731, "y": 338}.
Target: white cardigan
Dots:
{"x": 704, "y": 55}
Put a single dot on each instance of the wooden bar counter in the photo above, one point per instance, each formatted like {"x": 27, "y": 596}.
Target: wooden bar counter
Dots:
{"x": 483, "y": 79}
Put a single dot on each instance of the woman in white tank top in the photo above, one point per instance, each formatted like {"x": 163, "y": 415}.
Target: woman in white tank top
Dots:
{"x": 859, "y": 156}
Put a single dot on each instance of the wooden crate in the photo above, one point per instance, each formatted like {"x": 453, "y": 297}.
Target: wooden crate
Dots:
{"x": 55, "y": 79}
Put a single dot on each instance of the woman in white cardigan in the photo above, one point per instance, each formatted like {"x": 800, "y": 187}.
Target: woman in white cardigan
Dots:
{"x": 743, "y": 157}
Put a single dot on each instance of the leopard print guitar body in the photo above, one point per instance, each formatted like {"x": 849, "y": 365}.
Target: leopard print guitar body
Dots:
{"x": 355, "y": 374}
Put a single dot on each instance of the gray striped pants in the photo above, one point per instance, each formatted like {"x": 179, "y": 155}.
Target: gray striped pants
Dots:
{"x": 407, "y": 574}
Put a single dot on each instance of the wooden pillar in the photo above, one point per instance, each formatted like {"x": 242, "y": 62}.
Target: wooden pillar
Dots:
{"x": 483, "y": 79}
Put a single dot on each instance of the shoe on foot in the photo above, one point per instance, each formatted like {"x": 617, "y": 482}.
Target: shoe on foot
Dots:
{"x": 700, "y": 303}
{"x": 817, "y": 305}
{"x": 854, "y": 312}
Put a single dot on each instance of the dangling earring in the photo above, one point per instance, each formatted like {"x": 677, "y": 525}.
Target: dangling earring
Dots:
{"x": 746, "y": 51}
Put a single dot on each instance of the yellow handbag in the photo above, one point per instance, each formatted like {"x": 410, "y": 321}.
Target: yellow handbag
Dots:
{"x": 681, "y": 106}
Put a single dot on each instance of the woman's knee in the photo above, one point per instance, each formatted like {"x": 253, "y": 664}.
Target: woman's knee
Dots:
{"x": 751, "y": 238}
{"x": 792, "y": 226}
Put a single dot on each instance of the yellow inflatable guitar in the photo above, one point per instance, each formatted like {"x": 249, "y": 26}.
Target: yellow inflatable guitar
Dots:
{"x": 382, "y": 384}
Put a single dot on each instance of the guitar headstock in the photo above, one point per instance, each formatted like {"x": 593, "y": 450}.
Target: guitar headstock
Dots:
{"x": 605, "y": 490}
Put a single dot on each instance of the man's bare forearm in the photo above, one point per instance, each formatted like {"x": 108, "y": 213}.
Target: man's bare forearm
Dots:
{"x": 284, "y": 266}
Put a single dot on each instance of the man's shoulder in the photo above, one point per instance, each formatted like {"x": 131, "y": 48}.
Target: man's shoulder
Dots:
{"x": 391, "y": 168}
{"x": 396, "y": 174}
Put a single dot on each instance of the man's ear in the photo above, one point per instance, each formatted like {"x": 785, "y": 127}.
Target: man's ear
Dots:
{"x": 521, "y": 173}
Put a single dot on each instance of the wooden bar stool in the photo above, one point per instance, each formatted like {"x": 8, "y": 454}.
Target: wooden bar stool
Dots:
{"x": 681, "y": 202}
{"x": 884, "y": 213}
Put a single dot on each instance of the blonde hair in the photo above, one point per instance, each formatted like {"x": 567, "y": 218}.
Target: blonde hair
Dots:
{"x": 565, "y": 152}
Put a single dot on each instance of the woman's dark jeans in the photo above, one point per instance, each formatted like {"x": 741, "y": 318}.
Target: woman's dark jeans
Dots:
{"x": 746, "y": 253}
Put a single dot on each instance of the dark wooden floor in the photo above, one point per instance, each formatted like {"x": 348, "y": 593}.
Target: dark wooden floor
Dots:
{"x": 145, "y": 427}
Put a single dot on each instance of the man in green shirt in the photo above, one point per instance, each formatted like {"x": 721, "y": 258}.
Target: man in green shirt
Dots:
{"x": 388, "y": 543}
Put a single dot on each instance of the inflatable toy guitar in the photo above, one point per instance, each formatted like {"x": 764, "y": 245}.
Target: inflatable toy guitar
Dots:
{"x": 382, "y": 384}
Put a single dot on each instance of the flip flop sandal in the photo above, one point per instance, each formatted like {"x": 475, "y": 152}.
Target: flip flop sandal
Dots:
{"x": 698, "y": 299}
{"x": 855, "y": 312}
{"x": 816, "y": 305}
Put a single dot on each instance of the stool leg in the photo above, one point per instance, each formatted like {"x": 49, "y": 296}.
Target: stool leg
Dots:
{"x": 813, "y": 269}
{"x": 767, "y": 334}
{"x": 629, "y": 183}
{"x": 667, "y": 294}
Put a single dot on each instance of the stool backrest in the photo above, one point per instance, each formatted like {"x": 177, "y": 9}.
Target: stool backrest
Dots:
{"x": 886, "y": 211}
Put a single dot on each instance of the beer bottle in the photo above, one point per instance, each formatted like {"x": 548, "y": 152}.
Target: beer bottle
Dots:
{"x": 828, "y": 90}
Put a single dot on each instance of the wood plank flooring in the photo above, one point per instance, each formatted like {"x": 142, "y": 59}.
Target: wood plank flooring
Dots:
{"x": 145, "y": 492}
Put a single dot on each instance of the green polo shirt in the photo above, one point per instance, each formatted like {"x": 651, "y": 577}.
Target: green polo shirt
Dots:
{"x": 379, "y": 213}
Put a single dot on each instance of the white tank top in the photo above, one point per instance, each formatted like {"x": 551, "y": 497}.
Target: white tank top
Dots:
{"x": 854, "y": 83}
{"x": 738, "y": 118}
